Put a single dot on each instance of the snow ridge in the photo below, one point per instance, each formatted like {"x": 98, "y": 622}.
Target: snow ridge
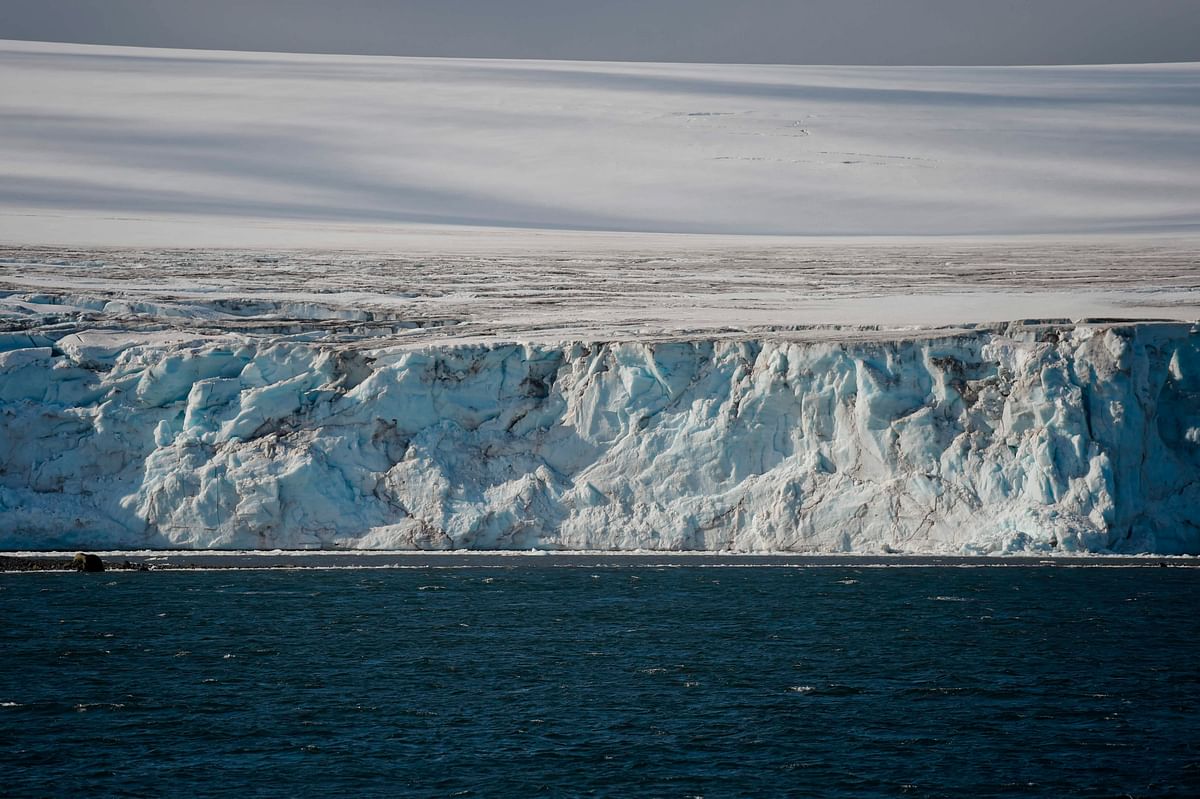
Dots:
{"x": 1073, "y": 438}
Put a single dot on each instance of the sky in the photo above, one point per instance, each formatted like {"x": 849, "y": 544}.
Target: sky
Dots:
{"x": 885, "y": 32}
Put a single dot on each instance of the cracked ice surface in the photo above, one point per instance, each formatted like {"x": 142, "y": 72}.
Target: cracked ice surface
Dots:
{"x": 1037, "y": 437}
{"x": 613, "y": 289}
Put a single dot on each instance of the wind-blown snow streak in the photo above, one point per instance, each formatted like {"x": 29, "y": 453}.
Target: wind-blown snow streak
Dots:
{"x": 1068, "y": 438}
{"x": 131, "y": 146}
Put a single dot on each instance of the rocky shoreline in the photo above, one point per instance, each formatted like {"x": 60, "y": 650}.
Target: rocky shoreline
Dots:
{"x": 80, "y": 562}
{"x": 182, "y": 561}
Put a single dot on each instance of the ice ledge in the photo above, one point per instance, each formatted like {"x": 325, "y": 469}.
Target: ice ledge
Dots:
{"x": 1051, "y": 438}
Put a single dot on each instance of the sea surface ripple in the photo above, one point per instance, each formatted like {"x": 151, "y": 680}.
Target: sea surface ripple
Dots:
{"x": 618, "y": 682}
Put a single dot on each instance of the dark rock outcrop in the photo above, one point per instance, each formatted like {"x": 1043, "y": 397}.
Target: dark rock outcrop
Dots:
{"x": 87, "y": 562}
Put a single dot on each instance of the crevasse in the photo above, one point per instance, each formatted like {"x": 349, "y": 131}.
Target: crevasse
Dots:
{"x": 1037, "y": 438}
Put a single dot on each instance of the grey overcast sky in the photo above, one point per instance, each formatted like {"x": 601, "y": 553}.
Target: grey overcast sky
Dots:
{"x": 748, "y": 31}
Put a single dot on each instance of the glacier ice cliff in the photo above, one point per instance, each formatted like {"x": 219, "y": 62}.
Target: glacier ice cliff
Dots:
{"x": 1014, "y": 438}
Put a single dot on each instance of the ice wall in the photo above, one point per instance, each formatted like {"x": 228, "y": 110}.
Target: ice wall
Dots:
{"x": 1036, "y": 438}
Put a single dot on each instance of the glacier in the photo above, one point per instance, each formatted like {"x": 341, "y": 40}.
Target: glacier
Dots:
{"x": 331, "y": 302}
{"x": 1036, "y": 437}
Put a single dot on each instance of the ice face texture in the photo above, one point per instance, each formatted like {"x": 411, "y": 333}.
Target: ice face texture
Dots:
{"x": 1040, "y": 438}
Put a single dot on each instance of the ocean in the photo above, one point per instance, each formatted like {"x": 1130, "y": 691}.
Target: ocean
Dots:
{"x": 525, "y": 680}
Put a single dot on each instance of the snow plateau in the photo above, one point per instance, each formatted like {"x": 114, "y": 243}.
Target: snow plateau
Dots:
{"x": 176, "y": 148}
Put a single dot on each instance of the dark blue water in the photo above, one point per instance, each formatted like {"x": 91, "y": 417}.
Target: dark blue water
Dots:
{"x": 617, "y": 682}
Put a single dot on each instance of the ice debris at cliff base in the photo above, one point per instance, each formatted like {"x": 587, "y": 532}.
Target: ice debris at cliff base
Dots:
{"x": 1059, "y": 438}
